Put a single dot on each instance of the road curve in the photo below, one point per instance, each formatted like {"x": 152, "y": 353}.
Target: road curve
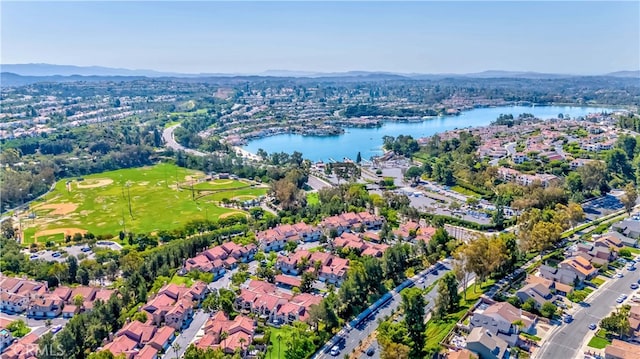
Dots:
{"x": 169, "y": 141}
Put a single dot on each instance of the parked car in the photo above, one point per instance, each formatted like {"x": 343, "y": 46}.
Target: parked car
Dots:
{"x": 634, "y": 286}
{"x": 371, "y": 351}
{"x": 592, "y": 326}
{"x": 56, "y": 329}
{"x": 335, "y": 351}
{"x": 85, "y": 249}
{"x": 33, "y": 256}
{"x": 56, "y": 254}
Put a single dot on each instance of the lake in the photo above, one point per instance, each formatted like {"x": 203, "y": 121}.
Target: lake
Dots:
{"x": 368, "y": 141}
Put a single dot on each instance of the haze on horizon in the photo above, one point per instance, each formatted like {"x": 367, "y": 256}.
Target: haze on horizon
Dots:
{"x": 252, "y": 37}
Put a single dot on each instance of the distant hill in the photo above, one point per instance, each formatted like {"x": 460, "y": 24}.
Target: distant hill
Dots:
{"x": 22, "y": 74}
{"x": 8, "y": 79}
{"x": 625, "y": 74}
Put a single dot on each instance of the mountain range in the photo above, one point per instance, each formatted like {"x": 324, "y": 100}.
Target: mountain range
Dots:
{"x": 21, "y": 74}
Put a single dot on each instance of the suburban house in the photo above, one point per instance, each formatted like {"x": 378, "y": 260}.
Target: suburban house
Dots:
{"x": 624, "y": 240}
{"x": 334, "y": 271}
{"x": 553, "y": 286}
{"x": 45, "y": 307}
{"x": 621, "y": 350}
{"x": 294, "y": 263}
{"x": 499, "y": 318}
{"x": 6, "y": 338}
{"x": 16, "y": 293}
{"x": 609, "y": 241}
{"x": 137, "y": 340}
{"x": 486, "y": 344}
{"x": 25, "y": 348}
{"x": 276, "y": 238}
{"x": 561, "y": 275}
{"x": 174, "y": 304}
{"x": 634, "y": 319}
{"x": 239, "y": 333}
{"x": 595, "y": 254}
{"x": 536, "y": 291}
{"x": 580, "y": 266}
{"x": 287, "y": 282}
{"x": 630, "y": 228}
{"x": 461, "y": 354}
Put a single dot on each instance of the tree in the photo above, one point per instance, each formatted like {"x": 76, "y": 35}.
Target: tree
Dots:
{"x": 529, "y": 305}
{"x": 630, "y": 197}
{"x": 548, "y": 309}
{"x": 358, "y": 158}
{"x": 176, "y": 348}
{"x": 576, "y": 213}
{"x": 594, "y": 176}
{"x": 307, "y": 282}
{"x": 413, "y": 305}
{"x": 448, "y": 297}
{"x": 413, "y": 173}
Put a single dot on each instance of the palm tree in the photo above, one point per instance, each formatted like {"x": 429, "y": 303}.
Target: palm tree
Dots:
{"x": 223, "y": 336}
{"x": 279, "y": 337}
{"x": 176, "y": 348}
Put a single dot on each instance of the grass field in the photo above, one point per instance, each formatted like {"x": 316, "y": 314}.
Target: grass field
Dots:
{"x": 100, "y": 202}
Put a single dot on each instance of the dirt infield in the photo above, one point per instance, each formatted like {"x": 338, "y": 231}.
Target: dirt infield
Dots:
{"x": 59, "y": 208}
{"x": 225, "y": 215}
{"x": 64, "y": 230}
{"x": 95, "y": 183}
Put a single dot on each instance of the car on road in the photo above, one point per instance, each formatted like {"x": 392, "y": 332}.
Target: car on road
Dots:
{"x": 33, "y": 256}
{"x": 56, "y": 254}
{"x": 421, "y": 280}
{"x": 56, "y": 329}
{"x": 634, "y": 286}
{"x": 371, "y": 351}
{"x": 592, "y": 326}
{"x": 618, "y": 275}
{"x": 335, "y": 351}
{"x": 85, "y": 249}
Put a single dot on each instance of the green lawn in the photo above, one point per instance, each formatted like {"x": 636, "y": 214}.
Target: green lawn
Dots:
{"x": 176, "y": 279}
{"x": 598, "y": 281}
{"x": 272, "y": 353}
{"x": 312, "y": 198}
{"x": 598, "y": 342}
{"x": 100, "y": 202}
{"x": 465, "y": 191}
{"x": 633, "y": 250}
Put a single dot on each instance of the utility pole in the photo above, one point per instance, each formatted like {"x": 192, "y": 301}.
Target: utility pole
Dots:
{"x": 129, "y": 197}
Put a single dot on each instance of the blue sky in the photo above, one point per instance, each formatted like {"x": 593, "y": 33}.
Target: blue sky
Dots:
{"x": 249, "y": 37}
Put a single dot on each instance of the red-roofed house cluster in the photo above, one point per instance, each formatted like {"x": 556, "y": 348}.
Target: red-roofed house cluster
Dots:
{"x": 19, "y": 295}
{"x": 351, "y": 221}
{"x": 331, "y": 269}
{"x": 220, "y": 258}
{"x": 275, "y": 239}
{"x": 239, "y": 333}
{"x": 275, "y": 306}
{"x": 413, "y": 231}
{"x": 173, "y": 305}
{"x": 357, "y": 243}
{"x": 168, "y": 311}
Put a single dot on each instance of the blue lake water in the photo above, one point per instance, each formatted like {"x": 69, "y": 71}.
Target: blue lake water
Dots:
{"x": 368, "y": 141}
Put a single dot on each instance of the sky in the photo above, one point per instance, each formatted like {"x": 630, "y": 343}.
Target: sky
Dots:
{"x": 250, "y": 37}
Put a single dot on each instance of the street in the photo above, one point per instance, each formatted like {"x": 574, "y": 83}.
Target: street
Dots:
{"x": 566, "y": 340}
{"x": 353, "y": 337}
{"x": 169, "y": 141}
{"x": 185, "y": 338}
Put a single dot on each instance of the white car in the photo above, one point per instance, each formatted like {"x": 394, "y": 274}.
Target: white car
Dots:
{"x": 335, "y": 351}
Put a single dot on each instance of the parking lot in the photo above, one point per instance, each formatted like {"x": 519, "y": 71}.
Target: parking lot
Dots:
{"x": 602, "y": 206}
